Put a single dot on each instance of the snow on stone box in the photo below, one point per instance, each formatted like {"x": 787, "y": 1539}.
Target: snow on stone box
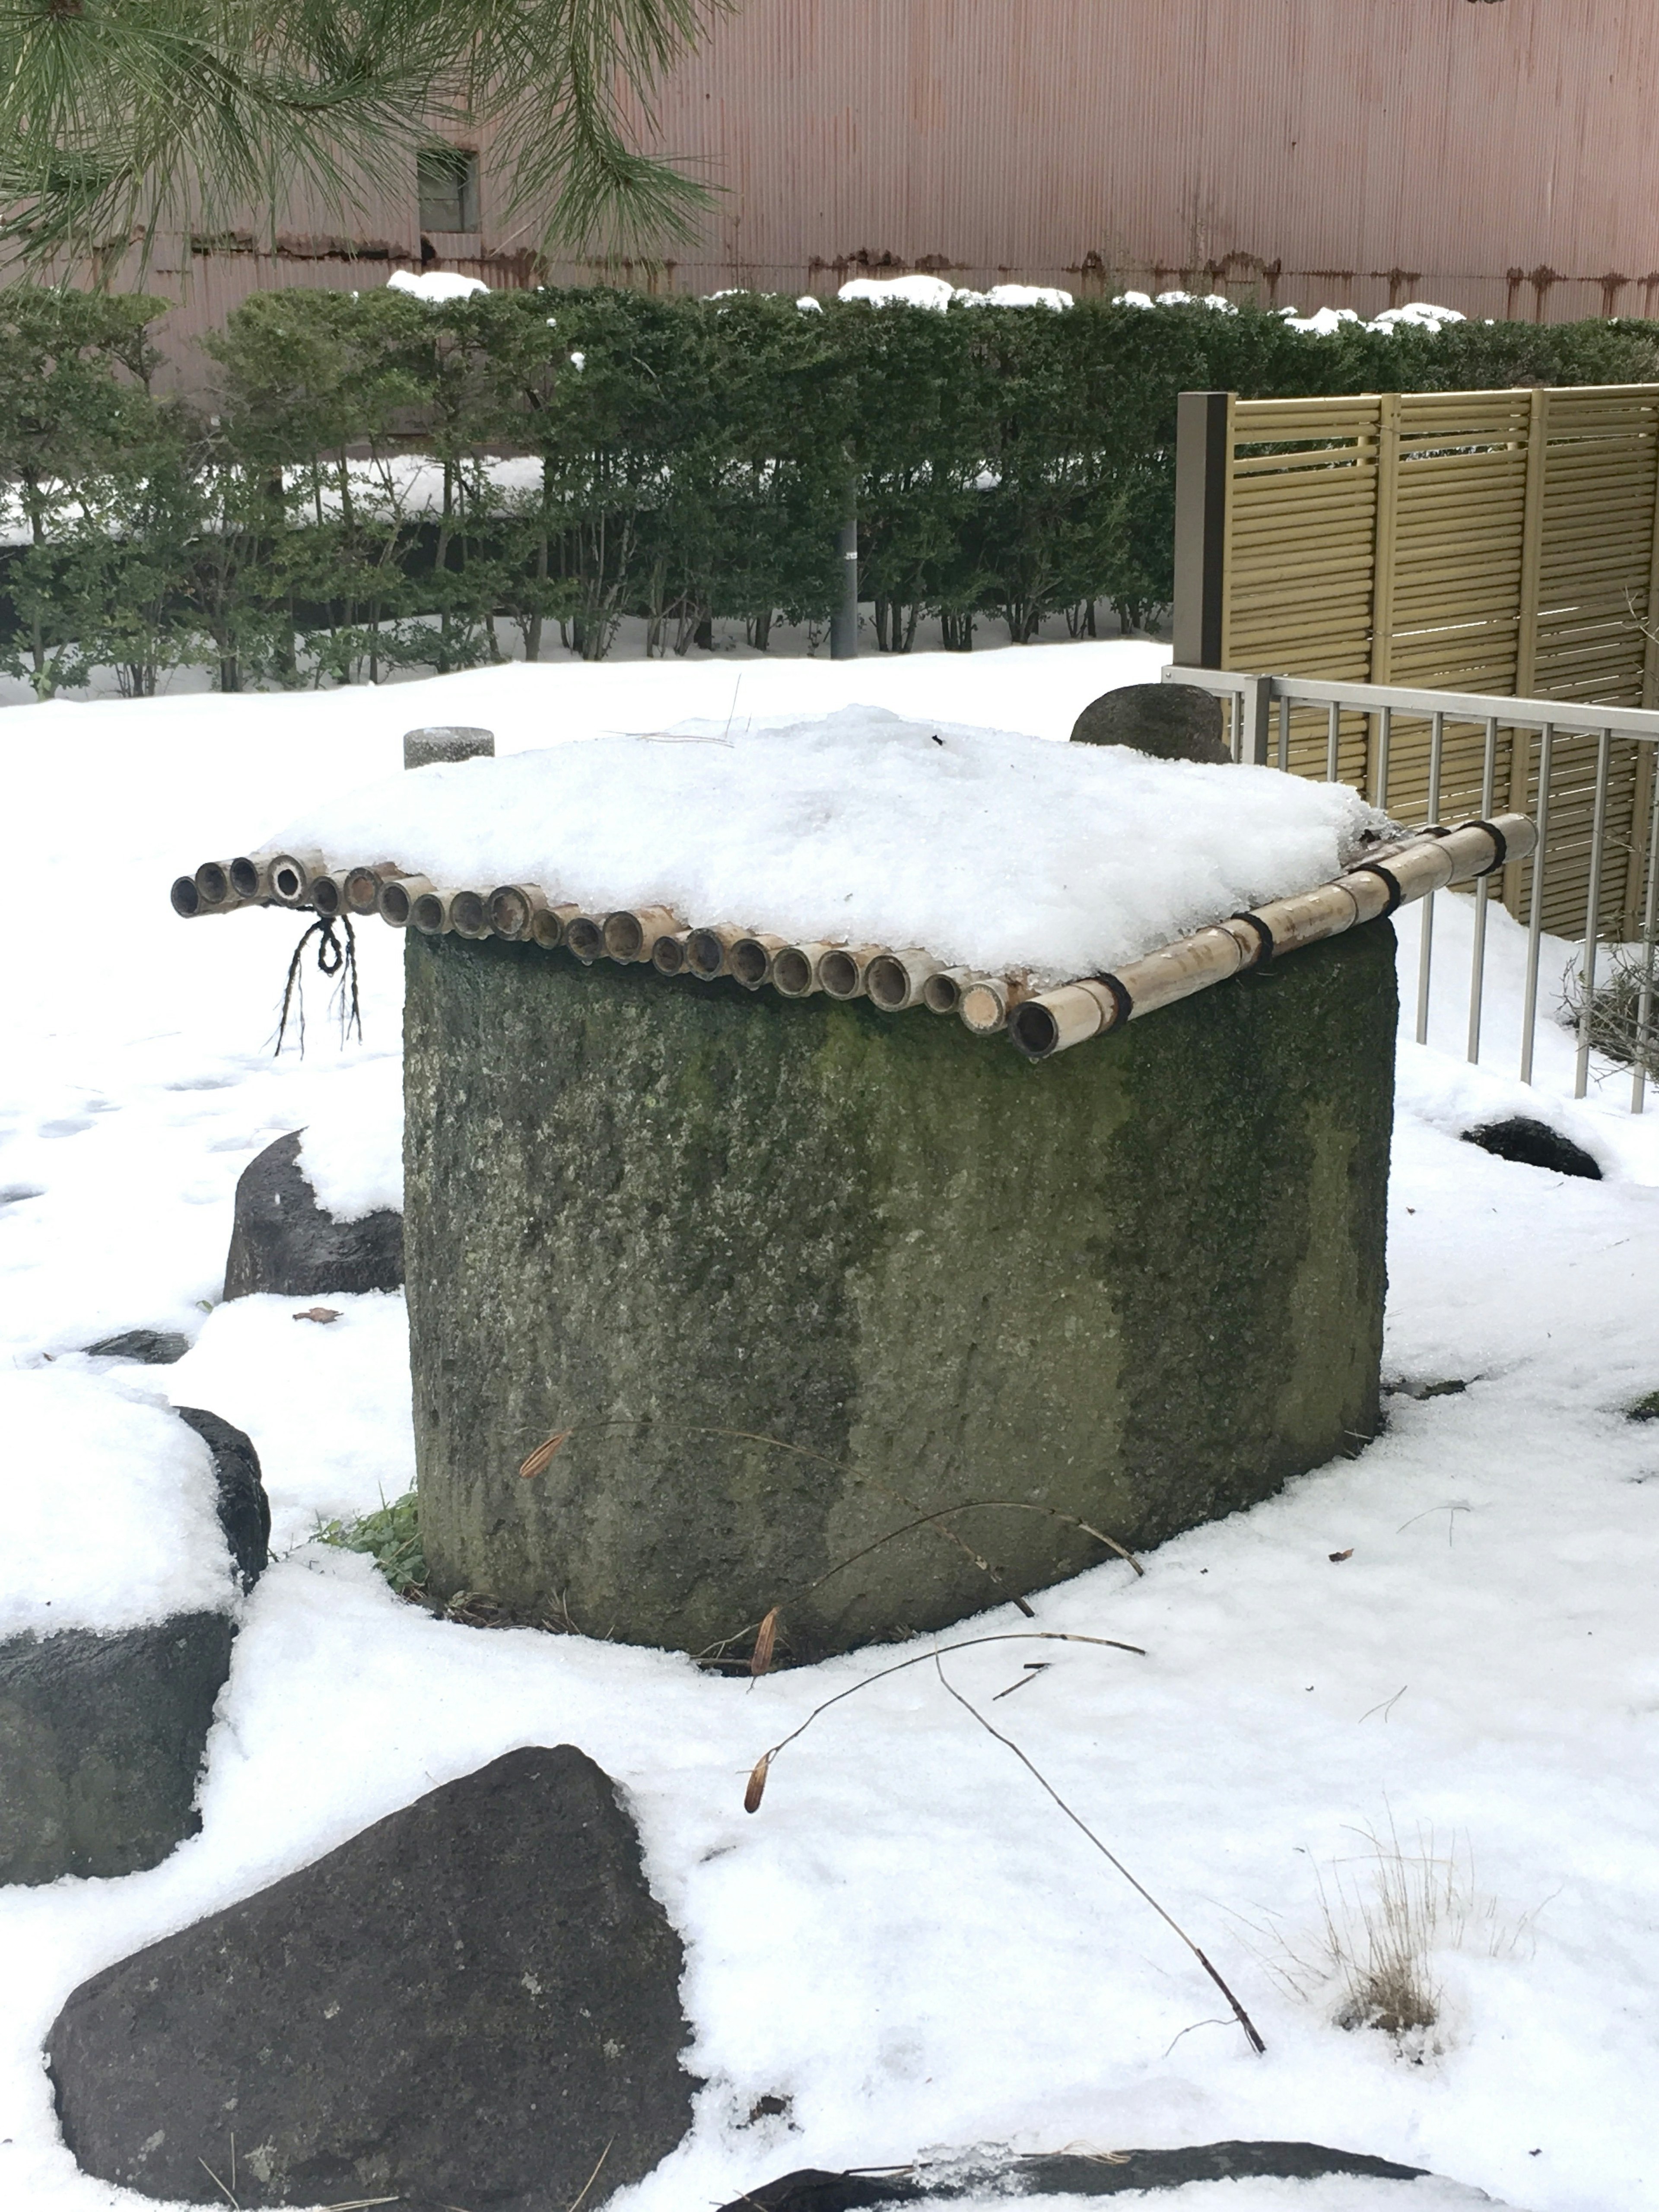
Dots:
{"x": 786, "y": 1294}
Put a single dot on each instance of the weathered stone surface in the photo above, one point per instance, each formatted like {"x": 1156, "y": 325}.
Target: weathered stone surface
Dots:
{"x": 1140, "y": 1284}
{"x": 280, "y": 1239}
{"x": 447, "y": 741}
{"x": 101, "y": 1744}
{"x": 149, "y": 1347}
{"x": 464, "y": 2005}
{"x": 1534, "y": 1144}
{"x": 244, "y": 1509}
{"x": 1171, "y": 722}
{"x": 813, "y": 2190}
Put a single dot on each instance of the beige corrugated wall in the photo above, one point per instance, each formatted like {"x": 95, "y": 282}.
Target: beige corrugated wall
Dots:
{"x": 1497, "y": 156}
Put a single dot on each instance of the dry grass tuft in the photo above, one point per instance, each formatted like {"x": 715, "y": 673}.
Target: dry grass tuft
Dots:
{"x": 1623, "y": 1013}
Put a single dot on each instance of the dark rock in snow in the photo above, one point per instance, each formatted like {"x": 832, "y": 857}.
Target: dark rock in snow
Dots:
{"x": 813, "y": 2189}
{"x": 1171, "y": 722}
{"x": 282, "y": 1240}
{"x": 151, "y": 1347}
{"x": 101, "y": 1744}
{"x": 244, "y": 1509}
{"x": 1534, "y": 1145}
{"x": 465, "y": 2005}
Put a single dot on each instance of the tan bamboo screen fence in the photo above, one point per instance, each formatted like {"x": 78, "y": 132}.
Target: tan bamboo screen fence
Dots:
{"x": 1500, "y": 542}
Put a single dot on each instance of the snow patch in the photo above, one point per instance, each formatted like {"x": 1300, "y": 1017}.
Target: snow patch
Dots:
{"x": 109, "y": 1504}
{"x": 991, "y": 850}
{"x": 434, "y": 286}
{"x": 351, "y": 1153}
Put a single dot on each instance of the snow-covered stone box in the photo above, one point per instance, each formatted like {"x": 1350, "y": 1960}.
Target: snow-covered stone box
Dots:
{"x": 750, "y": 1268}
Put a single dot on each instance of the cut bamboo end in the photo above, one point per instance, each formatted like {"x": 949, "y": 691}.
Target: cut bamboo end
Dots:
{"x": 584, "y": 935}
{"x": 986, "y": 1003}
{"x": 213, "y": 885}
{"x": 397, "y": 896}
{"x": 896, "y": 981}
{"x": 469, "y": 915}
{"x": 511, "y": 909}
{"x": 186, "y": 898}
{"x": 250, "y": 876}
{"x": 942, "y": 991}
{"x": 705, "y": 951}
{"x": 668, "y": 953}
{"x": 433, "y": 913}
{"x": 795, "y": 969}
{"x": 749, "y": 959}
{"x": 327, "y": 894}
{"x": 549, "y": 923}
{"x": 1053, "y": 1021}
{"x": 630, "y": 932}
{"x": 290, "y": 876}
{"x": 843, "y": 970}
{"x": 359, "y": 888}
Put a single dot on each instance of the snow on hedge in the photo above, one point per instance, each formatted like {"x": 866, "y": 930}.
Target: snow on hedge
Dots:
{"x": 110, "y": 1509}
{"x": 988, "y": 849}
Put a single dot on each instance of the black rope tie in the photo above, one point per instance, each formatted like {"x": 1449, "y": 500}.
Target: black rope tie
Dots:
{"x": 333, "y": 958}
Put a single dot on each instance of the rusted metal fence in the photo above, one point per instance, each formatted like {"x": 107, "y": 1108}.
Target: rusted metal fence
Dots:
{"x": 1504, "y": 542}
{"x": 1445, "y": 756}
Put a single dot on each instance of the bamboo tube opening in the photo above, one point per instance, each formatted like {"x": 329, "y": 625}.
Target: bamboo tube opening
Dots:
{"x": 668, "y": 953}
{"x": 548, "y": 924}
{"x": 706, "y": 951}
{"x": 326, "y": 896}
{"x": 248, "y": 876}
{"x": 750, "y": 959}
{"x": 942, "y": 991}
{"x": 895, "y": 981}
{"x": 186, "y": 899}
{"x": 398, "y": 896}
{"x": 290, "y": 873}
{"x": 212, "y": 881}
{"x": 430, "y": 914}
{"x": 359, "y": 888}
{"x": 795, "y": 969}
{"x": 469, "y": 916}
{"x": 629, "y": 933}
{"x": 1053, "y": 1021}
{"x": 844, "y": 968}
{"x": 511, "y": 906}
{"x": 585, "y": 937}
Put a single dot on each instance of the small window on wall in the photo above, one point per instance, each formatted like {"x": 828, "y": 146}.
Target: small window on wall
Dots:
{"x": 448, "y": 179}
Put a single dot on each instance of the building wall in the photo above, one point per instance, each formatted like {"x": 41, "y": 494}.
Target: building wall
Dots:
{"x": 1496, "y": 156}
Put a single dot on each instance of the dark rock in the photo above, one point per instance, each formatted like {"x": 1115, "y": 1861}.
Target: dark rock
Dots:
{"x": 280, "y": 1239}
{"x": 1171, "y": 722}
{"x": 1534, "y": 1145}
{"x": 244, "y": 1509}
{"x": 465, "y": 2004}
{"x": 151, "y": 1347}
{"x": 811, "y": 2189}
{"x": 101, "y": 1744}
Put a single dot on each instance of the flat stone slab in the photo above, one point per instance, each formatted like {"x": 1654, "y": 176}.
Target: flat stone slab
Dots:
{"x": 473, "y": 2002}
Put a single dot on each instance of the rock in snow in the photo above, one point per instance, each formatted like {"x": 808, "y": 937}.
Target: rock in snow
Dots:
{"x": 107, "y": 1690}
{"x": 1169, "y": 722}
{"x": 474, "y": 2001}
{"x": 282, "y": 1240}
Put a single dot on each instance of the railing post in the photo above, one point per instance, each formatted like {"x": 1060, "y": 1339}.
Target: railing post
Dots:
{"x": 1382, "y": 564}
{"x": 1526, "y": 627}
{"x": 1204, "y": 458}
{"x": 1256, "y": 720}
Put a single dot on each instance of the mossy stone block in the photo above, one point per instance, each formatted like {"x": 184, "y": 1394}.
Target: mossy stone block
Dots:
{"x": 858, "y": 1315}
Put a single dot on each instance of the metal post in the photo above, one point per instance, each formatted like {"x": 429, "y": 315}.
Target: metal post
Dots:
{"x": 1203, "y": 464}
{"x": 844, "y": 623}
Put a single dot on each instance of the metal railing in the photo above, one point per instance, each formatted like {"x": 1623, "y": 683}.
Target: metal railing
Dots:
{"x": 1260, "y": 710}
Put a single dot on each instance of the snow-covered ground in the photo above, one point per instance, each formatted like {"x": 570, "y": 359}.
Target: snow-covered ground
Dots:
{"x": 1447, "y": 1639}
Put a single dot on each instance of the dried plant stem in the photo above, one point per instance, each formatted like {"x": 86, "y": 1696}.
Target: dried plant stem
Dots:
{"x": 763, "y": 1765}
{"x": 1111, "y": 1858}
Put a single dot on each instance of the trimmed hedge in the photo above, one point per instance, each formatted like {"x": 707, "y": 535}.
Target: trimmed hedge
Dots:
{"x": 597, "y": 454}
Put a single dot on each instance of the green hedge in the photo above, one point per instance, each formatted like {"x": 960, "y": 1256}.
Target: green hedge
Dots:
{"x": 600, "y": 454}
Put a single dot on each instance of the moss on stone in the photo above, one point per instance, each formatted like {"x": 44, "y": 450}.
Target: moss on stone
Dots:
{"x": 1139, "y": 1284}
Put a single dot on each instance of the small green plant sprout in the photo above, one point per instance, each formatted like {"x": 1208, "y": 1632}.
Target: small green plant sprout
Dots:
{"x": 1385, "y": 1918}
{"x": 391, "y": 1537}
